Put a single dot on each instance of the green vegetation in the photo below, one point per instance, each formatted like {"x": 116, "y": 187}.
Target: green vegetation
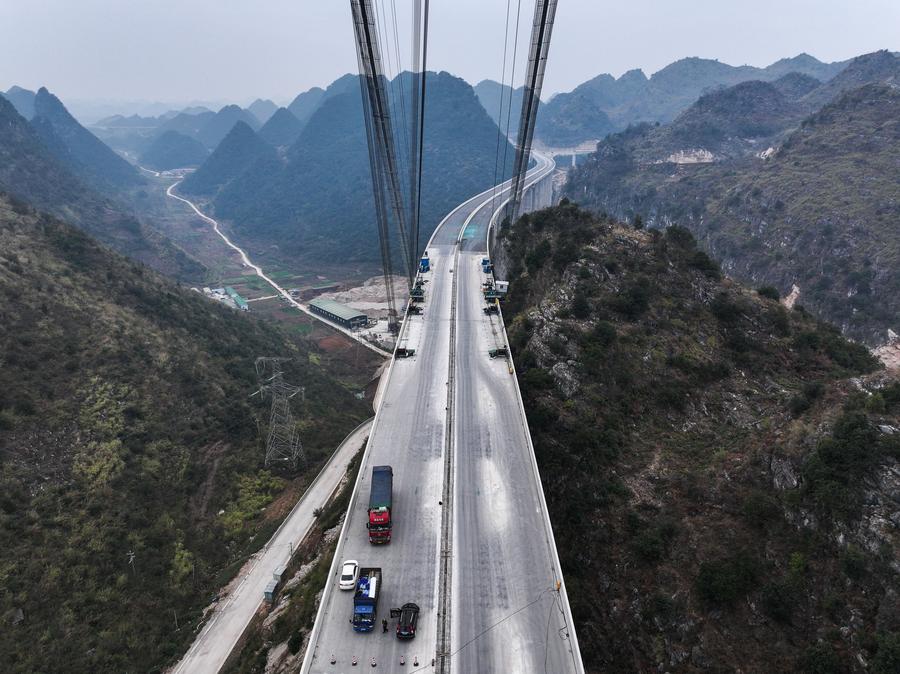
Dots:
{"x": 330, "y": 159}
{"x": 834, "y": 471}
{"x": 724, "y": 581}
{"x": 173, "y": 150}
{"x": 819, "y": 213}
{"x": 30, "y": 172}
{"x": 699, "y": 447}
{"x": 127, "y": 427}
{"x": 295, "y": 622}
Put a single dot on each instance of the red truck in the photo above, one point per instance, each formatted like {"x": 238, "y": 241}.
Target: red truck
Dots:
{"x": 380, "y": 501}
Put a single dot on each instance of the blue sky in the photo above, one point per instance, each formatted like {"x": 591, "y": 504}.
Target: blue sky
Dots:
{"x": 237, "y": 50}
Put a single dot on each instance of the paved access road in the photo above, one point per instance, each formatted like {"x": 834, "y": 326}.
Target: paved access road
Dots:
{"x": 231, "y": 616}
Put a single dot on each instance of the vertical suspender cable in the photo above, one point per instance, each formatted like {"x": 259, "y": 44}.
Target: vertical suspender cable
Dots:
{"x": 544, "y": 14}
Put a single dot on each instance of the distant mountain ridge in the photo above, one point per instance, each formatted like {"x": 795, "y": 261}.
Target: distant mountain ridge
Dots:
{"x": 282, "y": 129}
{"x": 317, "y": 202}
{"x": 173, "y": 150}
{"x": 237, "y": 152}
{"x": 635, "y": 98}
{"x": 78, "y": 148}
{"x": 22, "y": 99}
{"x": 262, "y": 109}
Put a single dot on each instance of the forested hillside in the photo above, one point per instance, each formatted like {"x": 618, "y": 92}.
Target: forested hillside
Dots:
{"x": 237, "y": 152}
{"x": 29, "y": 171}
{"x": 318, "y": 203}
{"x": 78, "y": 149}
{"x": 131, "y": 476}
{"x": 173, "y": 150}
{"x": 721, "y": 472}
{"x": 817, "y": 212}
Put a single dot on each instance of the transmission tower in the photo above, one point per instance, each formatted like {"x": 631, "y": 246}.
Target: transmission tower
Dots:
{"x": 283, "y": 442}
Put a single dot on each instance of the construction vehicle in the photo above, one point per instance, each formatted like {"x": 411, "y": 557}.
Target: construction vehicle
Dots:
{"x": 380, "y": 501}
{"x": 492, "y": 308}
{"x": 486, "y": 265}
{"x": 365, "y": 599}
{"x": 499, "y": 352}
{"x": 425, "y": 263}
{"x": 403, "y": 352}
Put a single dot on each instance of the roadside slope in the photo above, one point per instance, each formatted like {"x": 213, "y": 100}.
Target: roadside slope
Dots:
{"x": 126, "y": 427}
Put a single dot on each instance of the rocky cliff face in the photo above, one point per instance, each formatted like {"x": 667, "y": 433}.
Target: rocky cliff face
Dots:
{"x": 721, "y": 471}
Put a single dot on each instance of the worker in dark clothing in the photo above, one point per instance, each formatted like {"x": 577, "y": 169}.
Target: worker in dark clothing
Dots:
{"x": 384, "y": 625}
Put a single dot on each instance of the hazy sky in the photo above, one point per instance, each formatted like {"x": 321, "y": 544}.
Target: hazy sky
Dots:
{"x": 236, "y": 50}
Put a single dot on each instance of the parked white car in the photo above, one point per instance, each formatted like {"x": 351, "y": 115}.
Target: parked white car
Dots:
{"x": 349, "y": 573}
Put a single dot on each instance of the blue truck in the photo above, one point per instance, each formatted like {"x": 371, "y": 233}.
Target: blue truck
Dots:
{"x": 365, "y": 599}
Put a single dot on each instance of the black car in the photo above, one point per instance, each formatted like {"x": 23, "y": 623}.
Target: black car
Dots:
{"x": 408, "y": 617}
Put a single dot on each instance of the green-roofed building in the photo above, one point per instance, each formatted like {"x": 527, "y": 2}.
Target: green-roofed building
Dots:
{"x": 338, "y": 313}
{"x": 239, "y": 301}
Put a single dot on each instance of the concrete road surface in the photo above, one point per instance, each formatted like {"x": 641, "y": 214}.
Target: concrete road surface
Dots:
{"x": 505, "y": 612}
{"x": 409, "y": 434}
{"x": 231, "y": 616}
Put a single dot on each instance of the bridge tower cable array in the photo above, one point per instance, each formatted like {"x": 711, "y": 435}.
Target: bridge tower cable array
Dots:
{"x": 383, "y": 148}
{"x": 542, "y": 28}
{"x": 417, "y": 127}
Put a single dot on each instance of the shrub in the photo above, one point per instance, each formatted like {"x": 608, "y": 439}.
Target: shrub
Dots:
{"x": 653, "y": 541}
{"x": 536, "y": 258}
{"x": 769, "y": 292}
{"x": 7, "y": 420}
{"x": 853, "y": 562}
{"x": 724, "y": 309}
{"x": 704, "y": 263}
{"x": 777, "y": 601}
{"x": 580, "y": 307}
{"x": 634, "y": 300}
{"x": 887, "y": 659}
{"x": 538, "y": 379}
{"x": 723, "y": 581}
{"x": 759, "y": 510}
{"x": 820, "y": 659}
{"x": 680, "y": 237}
